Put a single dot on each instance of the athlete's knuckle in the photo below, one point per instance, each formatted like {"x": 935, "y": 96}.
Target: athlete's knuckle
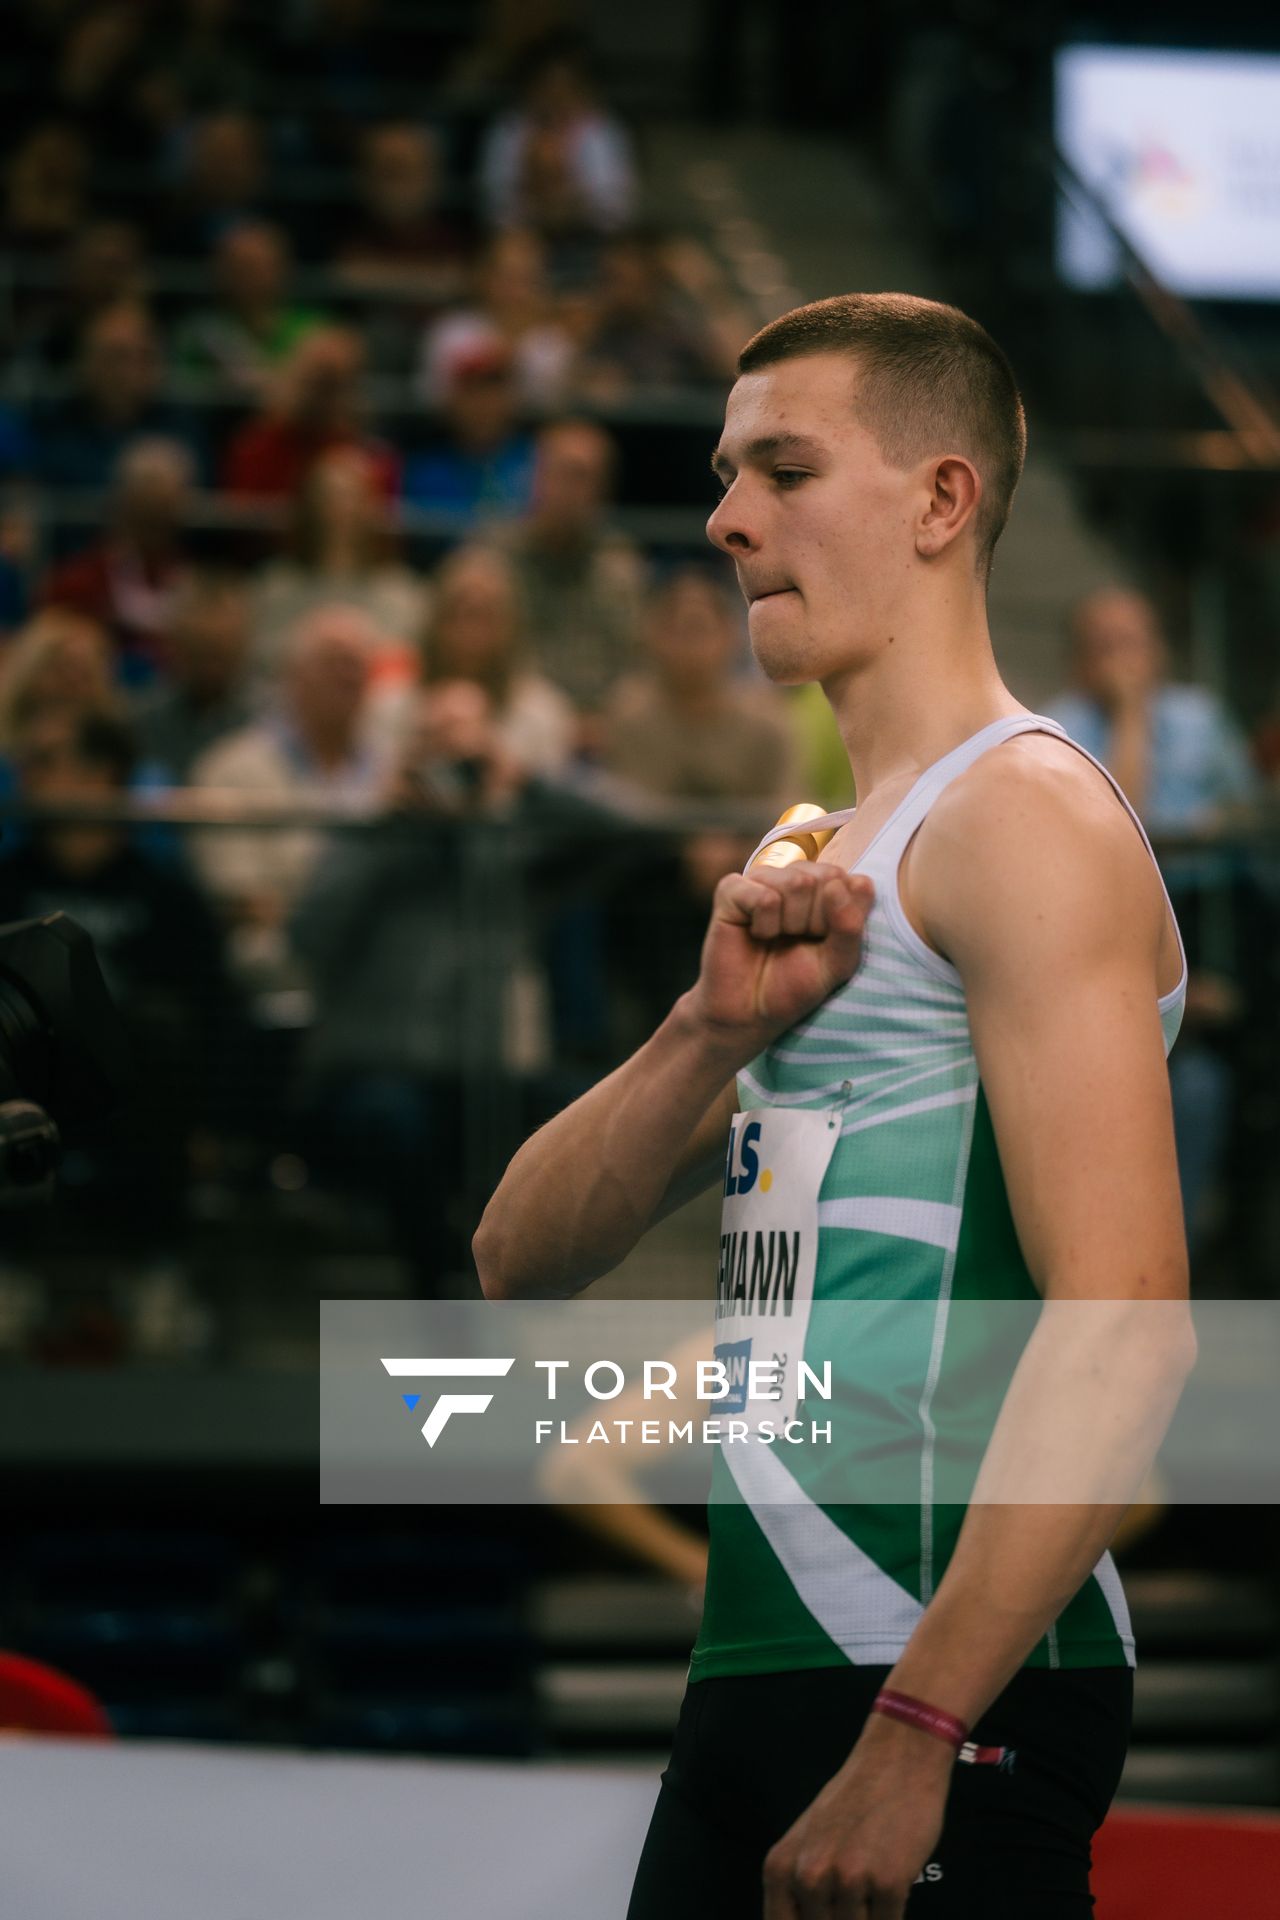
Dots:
{"x": 777, "y": 1866}
{"x": 817, "y": 1873}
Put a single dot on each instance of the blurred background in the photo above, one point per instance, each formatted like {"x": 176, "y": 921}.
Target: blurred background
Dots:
{"x": 370, "y": 694}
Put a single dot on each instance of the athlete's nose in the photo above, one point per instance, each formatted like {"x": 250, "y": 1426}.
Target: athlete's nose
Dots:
{"x": 726, "y": 529}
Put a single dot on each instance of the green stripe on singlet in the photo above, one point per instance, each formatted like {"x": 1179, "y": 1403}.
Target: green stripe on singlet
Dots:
{"x": 990, "y": 1266}
{"x": 754, "y": 1619}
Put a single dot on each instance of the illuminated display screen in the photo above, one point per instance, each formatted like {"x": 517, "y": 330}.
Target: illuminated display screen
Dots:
{"x": 1184, "y": 151}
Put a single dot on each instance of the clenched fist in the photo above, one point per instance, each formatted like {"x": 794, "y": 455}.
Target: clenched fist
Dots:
{"x": 780, "y": 941}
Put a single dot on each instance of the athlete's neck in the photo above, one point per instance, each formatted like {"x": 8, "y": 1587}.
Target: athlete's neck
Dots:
{"x": 923, "y": 692}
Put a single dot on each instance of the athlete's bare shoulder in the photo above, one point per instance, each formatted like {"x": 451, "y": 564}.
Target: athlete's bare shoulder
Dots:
{"x": 1033, "y": 834}
{"x": 1042, "y": 780}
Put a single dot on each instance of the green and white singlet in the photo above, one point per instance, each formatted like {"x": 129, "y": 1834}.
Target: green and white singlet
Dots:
{"x": 912, "y": 1207}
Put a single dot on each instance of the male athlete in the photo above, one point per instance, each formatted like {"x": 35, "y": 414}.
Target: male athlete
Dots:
{"x": 913, "y": 1710}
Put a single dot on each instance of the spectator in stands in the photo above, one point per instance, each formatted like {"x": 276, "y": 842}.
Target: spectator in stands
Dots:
{"x": 102, "y": 266}
{"x": 204, "y": 695}
{"x": 479, "y": 673}
{"x": 641, "y": 335}
{"x": 1184, "y": 766}
{"x": 57, "y": 670}
{"x": 340, "y": 549}
{"x": 511, "y": 307}
{"x": 45, "y": 198}
{"x": 70, "y": 757}
{"x": 314, "y": 747}
{"x": 77, "y": 442}
{"x": 222, "y": 183}
{"x": 481, "y": 465}
{"x": 475, "y": 636}
{"x": 161, "y": 955}
{"x": 127, "y": 580}
{"x": 559, "y": 163}
{"x": 398, "y": 1016}
{"x": 688, "y": 726}
{"x": 316, "y": 406}
{"x": 404, "y": 257}
{"x": 240, "y": 342}
{"x": 59, "y": 663}
{"x": 581, "y": 580}
{"x": 98, "y": 83}
{"x": 45, "y": 205}
{"x": 402, "y": 242}
{"x": 198, "y": 66}
{"x": 1174, "y": 749}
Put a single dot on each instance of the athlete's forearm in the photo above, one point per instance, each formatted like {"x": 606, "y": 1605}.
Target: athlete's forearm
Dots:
{"x": 1014, "y": 1570}
{"x": 1082, "y": 1420}
{"x": 580, "y": 1192}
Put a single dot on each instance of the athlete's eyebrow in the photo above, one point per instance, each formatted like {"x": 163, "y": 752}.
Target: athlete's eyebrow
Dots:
{"x": 767, "y": 447}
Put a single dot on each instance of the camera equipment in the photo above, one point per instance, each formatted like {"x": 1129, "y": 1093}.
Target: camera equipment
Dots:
{"x": 64, "y": 1057}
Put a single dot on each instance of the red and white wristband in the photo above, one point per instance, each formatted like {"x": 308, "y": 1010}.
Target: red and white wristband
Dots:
{"x": 937, "y": 1721}
{"x": 918, "y": 1713}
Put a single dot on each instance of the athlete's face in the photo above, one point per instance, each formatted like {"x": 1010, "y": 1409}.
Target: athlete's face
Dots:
{"x": 818, "y": 526}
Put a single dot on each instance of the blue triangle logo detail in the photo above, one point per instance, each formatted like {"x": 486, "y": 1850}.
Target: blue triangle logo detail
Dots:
{"x": 411, "y": 1400}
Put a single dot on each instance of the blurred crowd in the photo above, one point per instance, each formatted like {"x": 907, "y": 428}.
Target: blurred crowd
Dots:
{"x": 317, "y": 328}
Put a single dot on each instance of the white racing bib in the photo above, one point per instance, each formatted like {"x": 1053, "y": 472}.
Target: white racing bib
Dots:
{"x": 776, "y": 1164}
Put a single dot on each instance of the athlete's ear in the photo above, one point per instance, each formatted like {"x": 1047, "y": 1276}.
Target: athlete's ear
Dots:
{"x": 954, "y": 490}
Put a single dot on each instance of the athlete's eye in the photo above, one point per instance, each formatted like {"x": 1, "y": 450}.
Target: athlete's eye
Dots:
{"x": 790, "y": 476}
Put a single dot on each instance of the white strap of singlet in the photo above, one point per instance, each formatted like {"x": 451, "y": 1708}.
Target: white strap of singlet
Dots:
{"x": 927, "y": 787}
{"x": 898, "y": 829}
{"x": 890, "y": 842}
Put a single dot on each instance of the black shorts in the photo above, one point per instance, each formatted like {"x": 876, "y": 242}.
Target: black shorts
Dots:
{"x": 752, "y": 1751}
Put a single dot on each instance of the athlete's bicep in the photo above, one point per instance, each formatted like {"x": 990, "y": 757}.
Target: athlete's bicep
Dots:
{"x": 1075, "y": 1081}
{"x": 702, "y": 1162}
{"x": 1054, "y": 922}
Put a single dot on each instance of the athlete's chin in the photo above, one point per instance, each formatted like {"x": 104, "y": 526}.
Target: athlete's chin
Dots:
{"x": 780, "y": 642}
